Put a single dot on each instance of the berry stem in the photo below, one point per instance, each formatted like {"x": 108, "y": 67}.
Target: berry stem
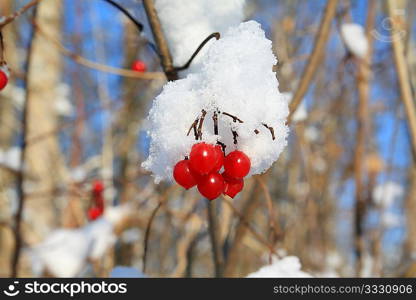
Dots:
{"x": 201, "y": 122}
{"x": 215, "y": 119}
{"x": 271, "y": 130}
{"x": 235, "y": 136}
{"x": 235, "y": 119}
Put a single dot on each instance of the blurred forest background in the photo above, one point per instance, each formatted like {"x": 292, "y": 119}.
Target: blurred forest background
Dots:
{"x": 342, "y": 196}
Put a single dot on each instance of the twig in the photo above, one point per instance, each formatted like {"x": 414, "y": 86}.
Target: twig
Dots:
{"x": 215, "y": 120}
{"x": 147, "y": 234}
{"x": 162, "y": 45}
{"x": 403, "y": 73}
{"x": 213, "y": 235}
{"x": 201, "y": 122}
{"x": 315, "y": 58}
{"x": 247, "y": 225}
{"x": 126, "y": 13}
{"x": 193, "y": 126}
{"x": 272, "y": 216}
{"x": 12, "y": 17}
{"x": 235, "y": 119}
{"x": 363, "y": 86}
{"x": 271, "y": 129}
{"x": 149, "y": 226}
{"x": 188, "y": 63}
{"x": 21, "y": 175}
{"x": 97, "y": 66}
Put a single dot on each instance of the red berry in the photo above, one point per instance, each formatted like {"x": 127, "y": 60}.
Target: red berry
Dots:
{"x": 94, "y": 213}
{"x": 237, "y": 164}
{"x": 182, "y": 174}
{"x": 232, "y": 188}
{"x": 139, "y": 66}
{"x": 220, "y": 158}
{"x": 203, "y": 158}
{"x": 211, "y": 186}
{"x": 98, "y": 186}
{"x": 228, "y": 178}
{"x": 4, "y": 79}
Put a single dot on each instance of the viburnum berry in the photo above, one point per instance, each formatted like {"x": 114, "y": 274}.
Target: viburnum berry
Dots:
{"x": 94, "y": 213}
{"x": 237, "y": 164}
{"x": 183, "y": 175}
{"x": 203, "y": 158}
{"x": 233, "y": 187}
{"x": 139, "y": 66}
{"x": 211, "y": 186}
{"x": 4, "y": 77}
{"x": 98, "y": 186}
{"x": 220, "y": 158}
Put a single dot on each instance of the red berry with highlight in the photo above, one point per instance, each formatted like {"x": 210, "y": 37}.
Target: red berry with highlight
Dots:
{"x": 183, "y": 175}
{"x": 98, "y": 186}
{"x": 139, "y": 66}
{"x": 203, "y": 158}
{"x": 232, "y": 188}
{"x": 4, "y": 79}
{"x": 237, "y": 164}
{"x": 94, "y": 213}
{"x": 211, "y": 186}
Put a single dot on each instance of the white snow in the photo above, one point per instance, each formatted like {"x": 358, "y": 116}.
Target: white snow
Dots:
{"x": 186, "y": 23}
{"x": 65, "y": 252}
{"x": 236, "y": 77}
{"x": 288, "y": 266}
{"x": 16, "y": 93}
{"x": 390, "y": 220}
{"x": 125, "y": 272}
{"x": 385, "y": 194}
{"x": 301, "y": 113}
{"x": 355, "y": 39}
{"x": 63, "y": 105}
{"x": 10, "y": 158}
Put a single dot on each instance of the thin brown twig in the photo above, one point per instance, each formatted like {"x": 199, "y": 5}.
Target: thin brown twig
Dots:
{"x": 206, "y": 40}
{"x": 315, "y": 57}
{"x": 159, "y": 37}
{"x": 13, "y": 16}
{"x": 246, "y": 223}
{"x": 402, "y": 71}
{"x": 149, "y": 226}
{"x": 213, "y": 235}
{"x": 363, "y": 85}
{"x": 276, "y": 233}
{"x": 21, "y": 175}
{"x": 97, "y": 66}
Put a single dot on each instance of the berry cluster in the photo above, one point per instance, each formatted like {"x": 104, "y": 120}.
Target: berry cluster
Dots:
{"x": 4, "y": 77}
{"x": 203, "y": 170}
{"x": 97, "y": 201}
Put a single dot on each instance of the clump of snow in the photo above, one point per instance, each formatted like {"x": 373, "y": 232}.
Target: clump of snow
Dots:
{"x": 355, "y": 39}
{"x": 186, "y": 23}
{"x": 10, "y": 158}
{"x": 301, "y": 113}
{"x": 390, "y": 220}
{"x": 63, "y": 105}
{"x": 288, "y": 266}
{"x": 125, "y": 272}
{"x": 386, "y": 193}
{"x": 131, "y": 235}
{"x": 236, "y": 77}
{"x": 16, "y": 93}
{"x": 311, "y": 133}
{"x": 65, "y": 252}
